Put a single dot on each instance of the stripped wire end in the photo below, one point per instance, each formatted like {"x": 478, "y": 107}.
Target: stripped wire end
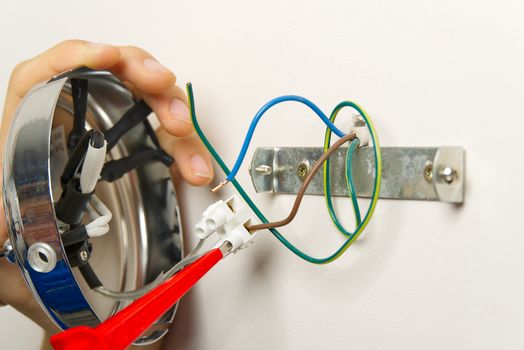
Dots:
{"x": 219, "y": 186}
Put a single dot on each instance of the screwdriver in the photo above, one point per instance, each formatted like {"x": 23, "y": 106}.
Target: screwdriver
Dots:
{"x": 122, "y": 329}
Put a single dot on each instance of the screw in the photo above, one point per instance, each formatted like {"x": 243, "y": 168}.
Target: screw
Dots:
{"x": 449, "y": 174}
{"x": 8, "y": 252}
{"x": 84, "y": 255}
{"x": 428, "y": 171}
{"x": 303, "y": 169}
{"x": 264, "y": 169}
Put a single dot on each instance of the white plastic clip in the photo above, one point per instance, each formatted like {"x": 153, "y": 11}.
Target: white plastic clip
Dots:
{"x": 360, "y": 129}
{"x": 229, "y": 220}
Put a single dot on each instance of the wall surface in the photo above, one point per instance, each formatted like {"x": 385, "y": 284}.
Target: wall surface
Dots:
{"x": 423, "y": 275}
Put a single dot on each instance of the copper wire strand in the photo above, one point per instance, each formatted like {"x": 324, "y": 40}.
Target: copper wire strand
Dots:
{"x": 301, "y": 192}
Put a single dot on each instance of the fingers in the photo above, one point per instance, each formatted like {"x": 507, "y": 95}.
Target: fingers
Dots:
{"x": 143, "y": 71}
{"x": 177, "y": 135}
{"x": 62, "y": 57}
{"x": 150, "y": 80}
{"x": 172, "y": 111}
{"x": 145, "y": 76}
{"x": 191, "y": 157}
{"x": 131, "y": 64}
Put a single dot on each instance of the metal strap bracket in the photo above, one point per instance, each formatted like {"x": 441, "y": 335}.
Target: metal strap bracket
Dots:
{"x": 416, "y": 173}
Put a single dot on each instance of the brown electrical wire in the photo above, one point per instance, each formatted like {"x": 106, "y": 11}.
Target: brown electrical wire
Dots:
{"x": 349, "y": 137}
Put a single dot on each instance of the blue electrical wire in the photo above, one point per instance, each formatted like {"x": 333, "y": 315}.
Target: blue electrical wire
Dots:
{"x": 260, "y": 113}
{"x": 262, "y": 217}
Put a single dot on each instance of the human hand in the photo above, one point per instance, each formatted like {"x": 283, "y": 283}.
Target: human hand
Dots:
{"x": 147, "y": 78}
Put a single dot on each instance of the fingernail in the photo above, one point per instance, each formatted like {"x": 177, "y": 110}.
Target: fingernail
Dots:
{"x": 199, "y": 166}
{"x": 97, "y": 45}
{"x": 179, "y": 111}
{"x": 154, "y": 66}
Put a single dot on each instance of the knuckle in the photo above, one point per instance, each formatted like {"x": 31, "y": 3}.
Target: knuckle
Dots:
{"x": 17, "y": 75}
{"x": 18, "y": 69}
{"x": 69, "y": 42}
{"x": 136, "y": 50}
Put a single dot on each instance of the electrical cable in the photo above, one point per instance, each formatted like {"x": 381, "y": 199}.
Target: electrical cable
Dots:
{"x": 152, "y": 134}
{"x": 89, "y": 175}
{"x": 77, "y": 156}
{"x": 301, "y": 192}
{"x": 79, "y": 93}
{"x": 349, "y": 178}
{"x": 115, "y": 169}
{"x": 90, "y": 276}
{"x": 349, "y": 182}
{"x": 133, "y": 294}
{"x": 260, "y": 215}
{"x": 134, "y": 116}
{"x": 100, "y": 225}
{"x": 88, "y": 151}
{"x": 286, "y": 98}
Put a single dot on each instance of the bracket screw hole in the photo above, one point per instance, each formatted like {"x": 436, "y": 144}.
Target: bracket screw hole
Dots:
{"x": 428, "y": 171}
{"x": 43, "y": 257}
{"x": 303, "y": 169}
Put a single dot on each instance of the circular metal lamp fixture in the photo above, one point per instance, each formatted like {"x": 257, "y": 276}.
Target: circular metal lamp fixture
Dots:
{"x": 144, "y": 236}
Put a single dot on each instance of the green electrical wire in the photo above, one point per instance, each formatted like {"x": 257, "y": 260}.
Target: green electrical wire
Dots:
{"x": 349, "y": 178}
{"x": 349, "y": 182}
{"x": 261, "y": 216}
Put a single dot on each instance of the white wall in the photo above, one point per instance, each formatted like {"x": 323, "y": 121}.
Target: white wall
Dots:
{"x": 424, "y": 275}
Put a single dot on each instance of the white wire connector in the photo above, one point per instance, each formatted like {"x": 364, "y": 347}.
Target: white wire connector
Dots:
{"x": 360, "y": 129}
{"x": 213, "y": 217}
{"x": 229, "y": 220}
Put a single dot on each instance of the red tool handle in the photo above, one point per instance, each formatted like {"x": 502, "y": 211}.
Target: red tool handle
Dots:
{"x": 119, "y": 331}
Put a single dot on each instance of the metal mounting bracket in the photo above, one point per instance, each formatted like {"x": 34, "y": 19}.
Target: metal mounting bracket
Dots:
{"x": 420, "y": 173}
